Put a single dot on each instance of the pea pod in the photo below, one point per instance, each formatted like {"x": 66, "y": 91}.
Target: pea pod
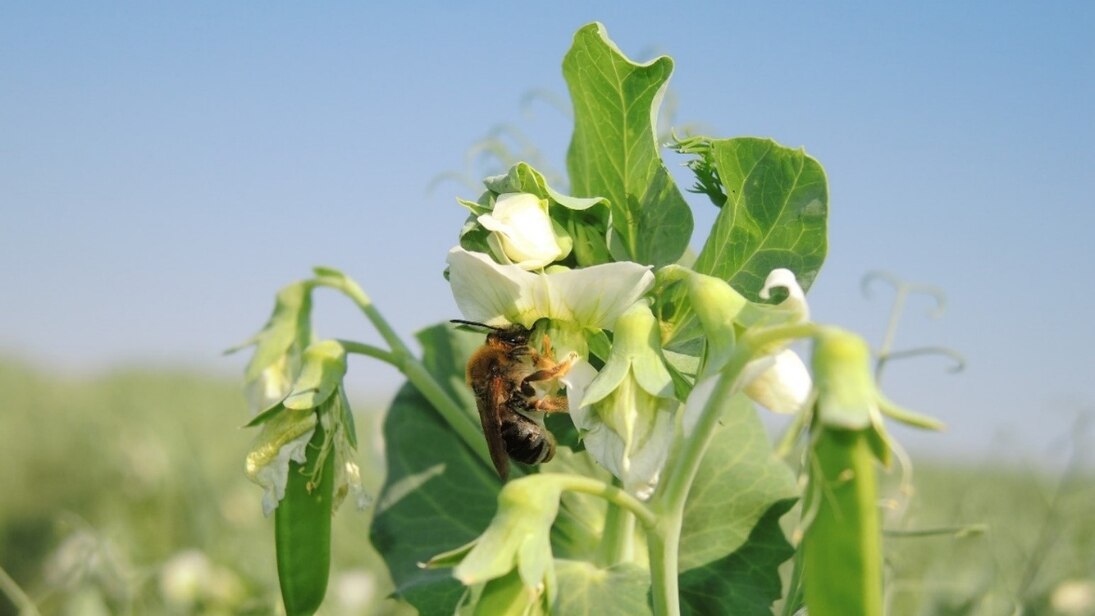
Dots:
{"x": 302, "y": 530}
{"x": 842, "y": 547}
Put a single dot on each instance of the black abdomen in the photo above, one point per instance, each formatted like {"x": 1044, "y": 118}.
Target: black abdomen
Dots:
{"x": 527, "y": 441}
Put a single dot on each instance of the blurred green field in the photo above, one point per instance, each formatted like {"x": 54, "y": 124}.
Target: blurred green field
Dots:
{"x": 125, "y": 494}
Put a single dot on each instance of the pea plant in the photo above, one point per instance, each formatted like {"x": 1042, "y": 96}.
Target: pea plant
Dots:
{"x": 660, "y": 491}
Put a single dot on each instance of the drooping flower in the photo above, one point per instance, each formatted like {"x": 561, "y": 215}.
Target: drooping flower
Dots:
{"x": 278, "y": 347}
{"x": 779, "y": 381}
{"x": 316, "y": 397}
{"x": 518, "y": 540}
{"x": 626, "y": 415}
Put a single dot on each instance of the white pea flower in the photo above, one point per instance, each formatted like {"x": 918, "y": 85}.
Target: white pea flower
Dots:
{"x": 591, "y": 297}
{"x": 780, "y": 381}
{"x": 784, "y": 383}
{"x": 522, "y": 231}
{"x": 626, "y": 414}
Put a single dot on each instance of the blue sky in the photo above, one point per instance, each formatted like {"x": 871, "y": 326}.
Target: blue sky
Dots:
{"x": 165, "y": 168}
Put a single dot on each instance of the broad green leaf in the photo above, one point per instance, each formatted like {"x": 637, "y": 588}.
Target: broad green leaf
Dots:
{"x": 746, "y": 581}
{"x": 842, "y": 546}
{"x": 774, "y": 216}
{"x": 738, "y": 482}
{"x": 438, "y": 495}
{"x": 585, "y": 590}
{"x": 614, "y": 151}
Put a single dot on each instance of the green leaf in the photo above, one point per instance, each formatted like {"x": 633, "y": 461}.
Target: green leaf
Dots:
{"x": 775, "y": 212}
{"x": 746, "y": 581}
{"x": 739, "y": 481}
{"x": 585, "y": 589}
{"x": 614, "y": 151}
{"x": 438, "y": 495}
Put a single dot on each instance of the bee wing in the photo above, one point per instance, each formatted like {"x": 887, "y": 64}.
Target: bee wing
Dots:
{"x": 490, "y": 407}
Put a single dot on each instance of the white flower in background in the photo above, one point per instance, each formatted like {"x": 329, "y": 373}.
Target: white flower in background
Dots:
{"x": 796, "y": 297}
{"x": 591, "y": 297}
{"x": 1074, "y": 598}
{"x": 190, "y": 579}
{"x": 783, "y": 384}
{"x": 522, "y": 231}
{"x": 780, "y": 381}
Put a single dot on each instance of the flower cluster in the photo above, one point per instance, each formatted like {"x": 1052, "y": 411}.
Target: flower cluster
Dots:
{"x": 516, "y": 264}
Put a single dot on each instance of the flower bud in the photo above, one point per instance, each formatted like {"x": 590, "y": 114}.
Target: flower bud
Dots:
{"x": 847, "y": 394}
{"x": 517, "y": 540}
{"x": 522, "y": 231}
{"x": 784, "y": 384}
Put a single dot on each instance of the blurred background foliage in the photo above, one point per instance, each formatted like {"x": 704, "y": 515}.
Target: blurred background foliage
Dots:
{"x": 123, "y": 493}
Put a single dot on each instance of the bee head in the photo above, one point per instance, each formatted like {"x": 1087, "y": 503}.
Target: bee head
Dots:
{"x": 515, "y": 335}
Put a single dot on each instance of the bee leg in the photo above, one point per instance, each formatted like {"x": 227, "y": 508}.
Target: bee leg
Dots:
{"x": 545, "y": 359}
{"x": 551, "y": 404}
{"x": 553, "y": 371}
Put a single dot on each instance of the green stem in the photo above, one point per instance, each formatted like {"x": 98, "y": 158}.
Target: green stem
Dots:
{"x": 664, "y": 545}
{"x": 18, "y": 598}
{"x": 613, "y": 494}
{"x": 673, "y": 492}
{"x": 359, "y": 297}
{"x": 617, "y": 542}
{"x": 360, "y": 348}
{"x": 402, "y": 358}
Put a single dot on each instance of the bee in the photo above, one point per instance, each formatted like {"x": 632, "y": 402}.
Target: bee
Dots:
{"x": 501, "y": 374}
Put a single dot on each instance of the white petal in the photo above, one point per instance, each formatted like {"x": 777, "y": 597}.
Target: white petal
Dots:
{"x": 496, "y": 294}
{"x": 274, "y": 475}
{"x": 783, "y": 386}
{"x": 491, "y": 293}
{"x": 577, "y": 380}
{"x": 796, "y": 298}
{"x": 521, "y": 221}
{"x": 595, "y": 296}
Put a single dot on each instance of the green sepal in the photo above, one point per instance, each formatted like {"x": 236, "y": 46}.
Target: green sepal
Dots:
{"x": 522, "y": 177}
{"x": 847, "y": 394}
{"x": 323, "y": 365}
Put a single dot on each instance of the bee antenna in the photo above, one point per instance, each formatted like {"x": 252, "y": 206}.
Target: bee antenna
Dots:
{"x": 475, "y": 324}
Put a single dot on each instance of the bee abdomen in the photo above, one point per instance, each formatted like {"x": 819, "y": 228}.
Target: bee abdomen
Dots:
{"x": 527, "y": 441}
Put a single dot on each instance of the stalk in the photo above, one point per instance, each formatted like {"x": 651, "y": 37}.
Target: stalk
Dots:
{"x": 672, "y": 494}
{"x": 403, "y": 359}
